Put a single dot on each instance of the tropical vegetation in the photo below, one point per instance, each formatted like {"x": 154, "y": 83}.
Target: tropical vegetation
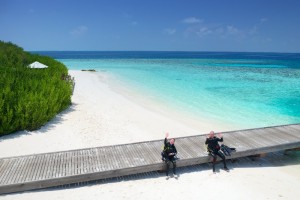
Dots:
{"x": 30, "y": 97}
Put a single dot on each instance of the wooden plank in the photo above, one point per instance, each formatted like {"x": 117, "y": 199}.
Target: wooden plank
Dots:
{"x": 110, "y": 159}
{"x": 182, "y": 148}
{"x": 281, "y": 137}
{"x": 80, "y": 162}
{"x": 99, "y": 159}
{"x": 264, "y": 138}
{"x": 60, "y": 165}
{"x": 73, "y": 163}
{"x": 156, "y": 149}
{"x": 85, "y": 161}
{"x": 295, "y": 127}
{"x": 90, "y": 161}
{"x": 130, "y": 160}
{"x": 29, "y": 168}
{"x": 53, "y": 166}
{"x": 192, "y": 148}
{"x": 98, "y": 162}
{"x": 49, "y": 170}
{"x": 152, "y": 156}
{"x": 43, "y": 173}
{"x": 37, "y": 164}
{"x": 45, "y": 170}
{"x": 132, "y": 155}
{"x": 18, "y": 172}
{"x": 40, "y": 167}
{"x": 142, "y": 154}
{"x": 244, "y": 136}
{"x": 289, "y": 131}
{"x": 122, "y": 156}
{"x": 88, "y": 165}
{"x": 197, "y": 144}
{"x": 1, "y": 164}
{"x": 93, "y": 160}
{"x": 68, "y": 171}
{"x": 104, "y": 157}
{"x": 11, "y": 170}
{"x": 4, "y": 169}
{"x": 24, "y": 170}
{"x": 116, "y": 157}
{"x": 65, "y": 163}
{"x": 107, "y": 157}
{"x": 15, "y": 171}
{"x": 240, "y": 142}
{"x": 44, "y": 167}
{"x": 139, "y": 156}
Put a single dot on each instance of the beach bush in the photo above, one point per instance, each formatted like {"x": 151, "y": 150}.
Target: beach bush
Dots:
{"x": 30, "y": 97}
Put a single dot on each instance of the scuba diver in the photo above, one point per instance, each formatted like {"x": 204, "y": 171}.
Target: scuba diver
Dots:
{"x": 169, "y": 154}
{"x": 213, "y": 148}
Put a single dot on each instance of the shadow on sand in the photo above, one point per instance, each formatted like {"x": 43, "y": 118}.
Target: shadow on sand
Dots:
{"x": 58, "y": 119}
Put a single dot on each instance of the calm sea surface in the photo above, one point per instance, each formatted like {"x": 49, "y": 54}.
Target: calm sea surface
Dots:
{"x": 244, "y": 89}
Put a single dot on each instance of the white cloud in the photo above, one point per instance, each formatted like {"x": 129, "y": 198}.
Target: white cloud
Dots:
{"x": 170, "y": 31}
{"x": 199, "y": 31}
{"x": 231, "y": 30}
{"x": 203, "y": 31}
{"x": 192, "y": 20}
{"x": 263, "y": 20}
{"x": 78, "y": 31}
{"x": 219, "y": 30}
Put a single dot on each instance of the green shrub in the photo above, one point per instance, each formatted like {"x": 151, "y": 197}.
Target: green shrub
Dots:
{"x": 30, "y": 97}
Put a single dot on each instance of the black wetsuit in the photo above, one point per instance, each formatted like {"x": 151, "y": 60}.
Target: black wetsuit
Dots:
{"x": 169, "y": 148}
{"x": 214, "y": 149}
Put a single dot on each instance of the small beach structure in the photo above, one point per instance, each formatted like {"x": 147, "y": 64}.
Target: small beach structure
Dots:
{"x": 37, "y": 65}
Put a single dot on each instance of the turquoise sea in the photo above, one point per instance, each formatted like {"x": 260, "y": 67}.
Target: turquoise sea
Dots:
{"x": 243, "y": 89}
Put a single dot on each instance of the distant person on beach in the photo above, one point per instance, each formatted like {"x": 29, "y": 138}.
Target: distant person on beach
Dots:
{"x": 213, "y": 148}
{"x": 169, "y": 153}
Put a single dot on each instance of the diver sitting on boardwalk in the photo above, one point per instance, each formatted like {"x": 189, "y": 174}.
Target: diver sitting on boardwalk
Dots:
{"x": 213, "y": 148}
{"x": 169, "y": 153}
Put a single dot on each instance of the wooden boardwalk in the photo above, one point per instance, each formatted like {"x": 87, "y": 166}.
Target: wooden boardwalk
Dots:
{"x": 58, "y": 168}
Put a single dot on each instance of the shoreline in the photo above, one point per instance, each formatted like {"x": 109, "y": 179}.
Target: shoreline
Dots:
{"x": 101, "y": 115}
{"x": 150, "y": 103}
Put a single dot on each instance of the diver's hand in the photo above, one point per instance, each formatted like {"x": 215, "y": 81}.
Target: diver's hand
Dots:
{"x": 167, "y": 135}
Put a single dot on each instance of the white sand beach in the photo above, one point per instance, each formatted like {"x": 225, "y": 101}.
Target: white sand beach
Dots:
{"x": 104, "y": 113}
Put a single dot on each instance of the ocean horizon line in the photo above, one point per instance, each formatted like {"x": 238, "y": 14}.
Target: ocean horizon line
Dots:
{"x": 166, "y": 51}
{"x": 168, "y": 55}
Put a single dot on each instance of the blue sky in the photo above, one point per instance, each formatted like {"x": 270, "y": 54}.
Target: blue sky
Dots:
{"x": 163, "y": 25}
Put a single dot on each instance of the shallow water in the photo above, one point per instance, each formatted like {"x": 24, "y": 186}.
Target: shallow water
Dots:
{"x": 242, "y": 89}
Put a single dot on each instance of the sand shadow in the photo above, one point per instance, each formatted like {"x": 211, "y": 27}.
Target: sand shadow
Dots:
{"x": 58, "y": 119}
